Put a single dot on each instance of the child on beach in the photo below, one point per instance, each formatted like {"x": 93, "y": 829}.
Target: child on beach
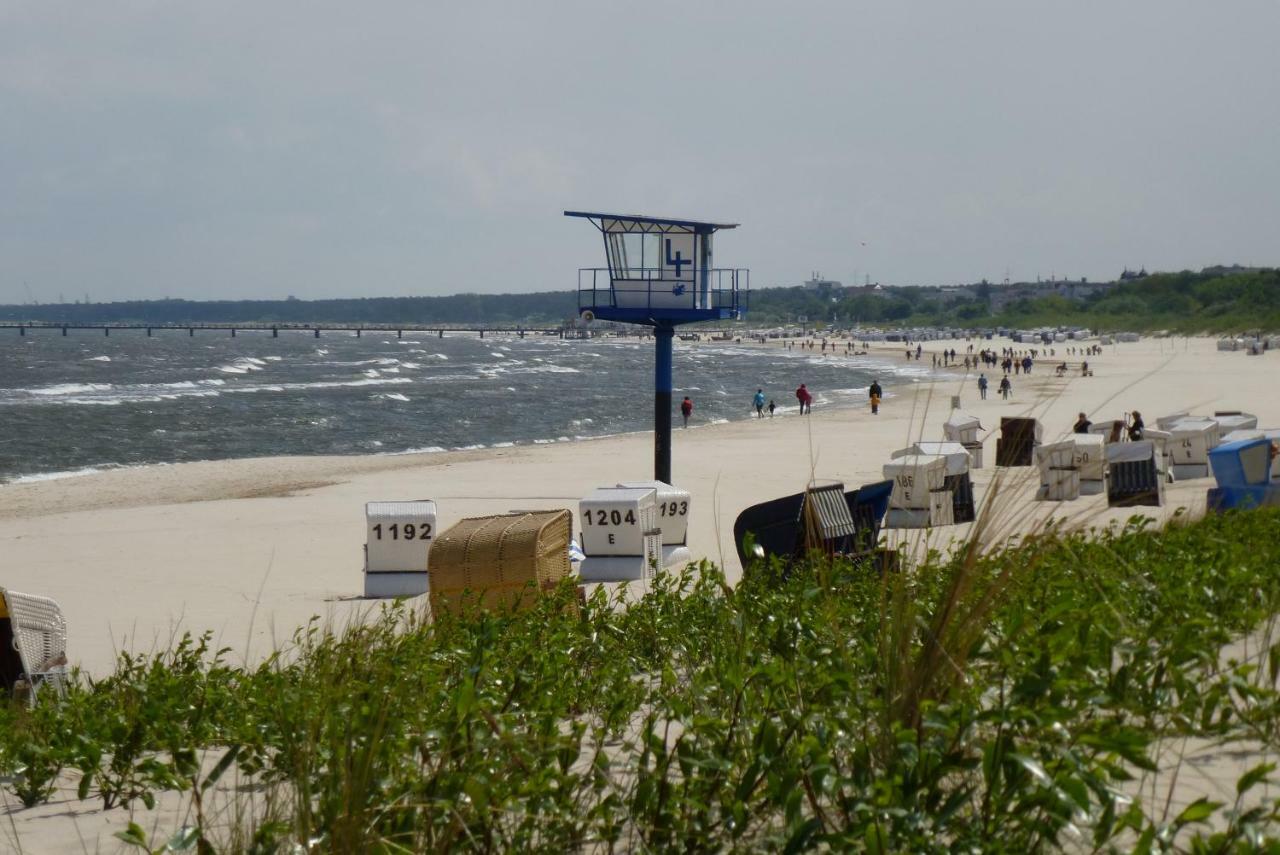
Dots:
{"x": 772, "y": 406}
{"x": 686, "y": 409}
{"x": 875, "y": 393}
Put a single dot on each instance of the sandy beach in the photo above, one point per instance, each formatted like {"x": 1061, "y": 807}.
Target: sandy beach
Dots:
{"x": 252, "y": 549}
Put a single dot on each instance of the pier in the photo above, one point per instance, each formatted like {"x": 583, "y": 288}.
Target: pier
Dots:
{"x": 275, "y": 329}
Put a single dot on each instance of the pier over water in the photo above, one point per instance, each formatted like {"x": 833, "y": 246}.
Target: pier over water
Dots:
{"x": 275, "y": 329}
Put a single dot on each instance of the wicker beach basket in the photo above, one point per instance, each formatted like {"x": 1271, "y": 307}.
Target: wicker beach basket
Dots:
{"x": 498, "y": 561}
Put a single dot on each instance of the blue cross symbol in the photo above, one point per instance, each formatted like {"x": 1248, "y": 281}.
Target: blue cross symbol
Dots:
{"x": 677, "y": 262}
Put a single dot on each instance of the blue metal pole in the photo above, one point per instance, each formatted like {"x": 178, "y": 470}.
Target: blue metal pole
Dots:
{"x": 663, "y": 336}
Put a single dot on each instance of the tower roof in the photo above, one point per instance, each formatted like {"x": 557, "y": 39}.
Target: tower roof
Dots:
{"x": 642, "y": 223}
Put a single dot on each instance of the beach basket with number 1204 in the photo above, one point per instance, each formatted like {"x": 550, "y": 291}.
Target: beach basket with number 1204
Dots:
{"x": 499, "y": 562}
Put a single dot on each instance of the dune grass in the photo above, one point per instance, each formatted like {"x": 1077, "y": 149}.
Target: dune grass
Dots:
{"x": 1007, "y": 701}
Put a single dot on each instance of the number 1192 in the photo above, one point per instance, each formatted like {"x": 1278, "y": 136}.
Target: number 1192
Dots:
{"x": 404, "y": 531}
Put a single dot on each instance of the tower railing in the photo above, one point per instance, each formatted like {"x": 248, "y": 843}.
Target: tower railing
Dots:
{"x": 725, "y": 290}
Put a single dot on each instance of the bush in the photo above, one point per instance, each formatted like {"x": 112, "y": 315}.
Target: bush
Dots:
{"x": 991, "y": 701}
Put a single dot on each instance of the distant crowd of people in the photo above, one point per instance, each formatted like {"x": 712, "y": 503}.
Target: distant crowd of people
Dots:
{"x": 1009, "y": 360}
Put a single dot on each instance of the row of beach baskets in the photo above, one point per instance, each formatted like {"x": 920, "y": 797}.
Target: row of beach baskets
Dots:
{"x": 628, "y": 532}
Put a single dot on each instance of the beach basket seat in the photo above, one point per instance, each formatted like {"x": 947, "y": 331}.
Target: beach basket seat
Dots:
{"x": 792, "y": 525}
{"x": 1132, "y": 475}
{"x": 1017, "y": 441}
{"x": 39, "y": 637}
{"x": 827, "y": 522}
{"x": 499, "y": 561}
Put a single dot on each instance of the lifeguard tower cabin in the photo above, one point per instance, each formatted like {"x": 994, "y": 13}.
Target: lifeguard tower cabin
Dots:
{"x": 659, "y": 274}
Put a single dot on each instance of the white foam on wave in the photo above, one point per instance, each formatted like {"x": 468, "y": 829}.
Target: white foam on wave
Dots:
{"x": 70, "y": 389}
{"x": 393, "y": 396}
{"x": 503, "y": 445}
{"x": 39, "y": 477}
{"x": 98, "y": 359}
{"x": 243, "y": 365}
{"x": 429, "y": 449}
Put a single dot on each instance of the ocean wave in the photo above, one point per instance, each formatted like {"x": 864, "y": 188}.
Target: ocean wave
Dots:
{"x": 68, "y": 389}
{"x": 98, "y": 359}
{"x": 58, "y": 476}
{"x": 243, "y": 365}
{"x": 393, "y": 396}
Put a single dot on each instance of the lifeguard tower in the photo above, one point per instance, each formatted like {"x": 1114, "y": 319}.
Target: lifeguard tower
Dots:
{"x": 659, "y": 274}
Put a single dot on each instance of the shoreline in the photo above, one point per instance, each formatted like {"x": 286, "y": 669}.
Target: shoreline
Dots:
{"x": 879, "y": 361}
{"x": 252, "y": 548}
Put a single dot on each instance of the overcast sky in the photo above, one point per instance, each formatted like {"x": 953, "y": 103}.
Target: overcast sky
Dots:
{"x": 243, "y": 150}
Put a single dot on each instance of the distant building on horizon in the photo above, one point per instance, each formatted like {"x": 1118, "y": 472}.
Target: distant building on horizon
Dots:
{"x": 1229, "y": 269}
{"x": 815, "y": 282}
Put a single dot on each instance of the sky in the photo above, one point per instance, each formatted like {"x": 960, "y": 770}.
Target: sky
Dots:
{"x": 237, "y": 150}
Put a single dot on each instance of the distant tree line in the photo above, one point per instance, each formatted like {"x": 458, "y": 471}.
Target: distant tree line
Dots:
{"x": 548, "y": 307}
{"x": 1183, "y": 302}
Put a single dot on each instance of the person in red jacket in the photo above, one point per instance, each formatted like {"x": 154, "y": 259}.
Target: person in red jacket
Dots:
{"x": 805, "y": 399}
{"x": 686, "y": 409}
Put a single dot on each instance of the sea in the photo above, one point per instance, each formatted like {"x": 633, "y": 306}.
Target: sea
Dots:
{"x": 85, "y": 402}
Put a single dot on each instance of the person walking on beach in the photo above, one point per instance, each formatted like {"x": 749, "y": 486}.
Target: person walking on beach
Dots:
{"x": 805, "y": 399}
{"x": 1082, "y": 424}
{"x": 1005, "y": 387}
{"x": 758, "y": 401}
{"x": 875, "y": 393}
{"x": 686, "y": 409}
{"x": 772, "y": 407}
{"x": 982, "y": 386}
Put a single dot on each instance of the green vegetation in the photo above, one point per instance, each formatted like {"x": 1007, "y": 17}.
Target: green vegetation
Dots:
{"x": 1181, "y": 302}
{"x": 549, "y": 307}
{"x": 1004, "y": 702}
